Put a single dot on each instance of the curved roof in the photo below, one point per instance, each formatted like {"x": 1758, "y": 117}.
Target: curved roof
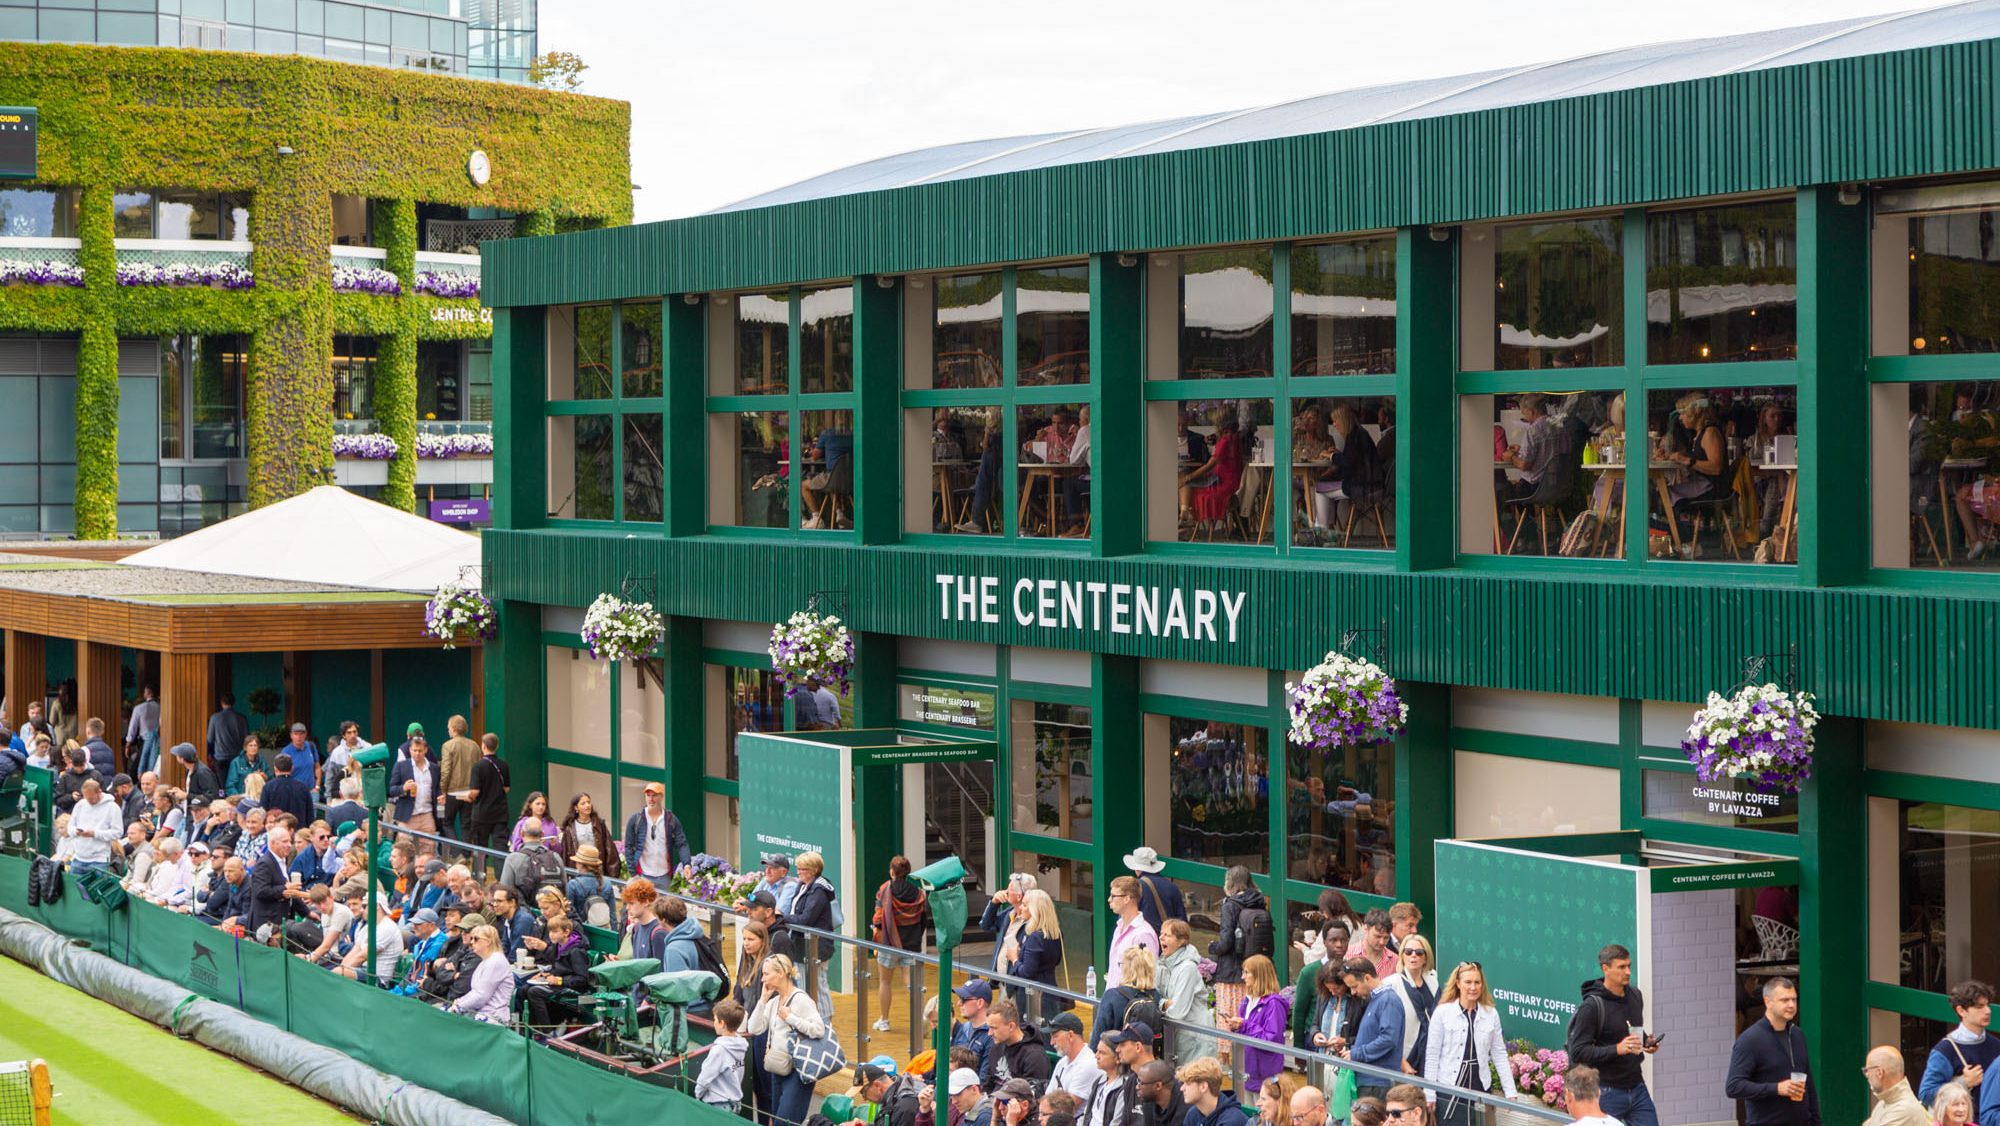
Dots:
{"x": 1601, "y": 72}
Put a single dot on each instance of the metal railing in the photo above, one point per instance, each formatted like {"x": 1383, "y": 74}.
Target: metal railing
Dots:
{"x": 1497, "y": 1110}
{"x": 181, "y": 252}
{"x": 63, "y": 251}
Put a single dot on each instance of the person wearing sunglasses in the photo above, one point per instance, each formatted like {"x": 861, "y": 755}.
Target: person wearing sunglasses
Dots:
{"x": 1406, "y": 1106}
{"x": 1465, "y": 1044}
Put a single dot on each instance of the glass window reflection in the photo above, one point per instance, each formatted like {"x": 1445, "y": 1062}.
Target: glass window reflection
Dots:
{"x": 1052, "y": 326}
{"x": 763, "y": 343}
{"x": 826, "y": 339}
{"x": 965, "y": 338}
{"x": 1722, "y": 284}
{"x": 1227, "y": 309}
{"x": 1559, "y": 295}
{"x": 1344, "y": 308}
{"x": 1220, "y": 793}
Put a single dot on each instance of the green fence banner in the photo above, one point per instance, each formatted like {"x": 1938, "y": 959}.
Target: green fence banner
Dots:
{"x": 796, "y": 794}
{"x": 1535, "y": 923}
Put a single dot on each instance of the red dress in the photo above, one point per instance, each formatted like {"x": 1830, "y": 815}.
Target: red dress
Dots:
{"x": 1211, "y": 502}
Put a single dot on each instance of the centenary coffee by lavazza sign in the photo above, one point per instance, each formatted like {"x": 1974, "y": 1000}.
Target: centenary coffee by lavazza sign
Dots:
{"x": 1141, "y": 609}
{"x": 17, "y": 142}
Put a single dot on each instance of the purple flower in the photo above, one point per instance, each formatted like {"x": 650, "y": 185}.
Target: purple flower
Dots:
{"x": 364, "y": 447}
{"x": 447, "y": 284}
{"x": 366, "y": 279}
{"x": 443, "y": 447}
{"x": 40, "y": 273}
{"x": 223, "y": 275}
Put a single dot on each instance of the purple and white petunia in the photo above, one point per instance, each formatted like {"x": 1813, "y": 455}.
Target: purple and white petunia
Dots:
{"x": 40, "y": 273}
{"x": 365, "y": 447}
{"x": 1760, "y": 734}
{"x": 808, "y": 645}
{"x": 617, "y": 630}
{"x": 366, "y": 279}
{"x": 447, "y": 283}
{"x": 1342, "y": 702}
{"x": 459, "y": 611}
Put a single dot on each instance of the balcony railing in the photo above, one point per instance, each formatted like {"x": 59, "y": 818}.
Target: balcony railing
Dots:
{"x": 63, "y": 251}
{"x": 438, "y": 263}
{"x": 359, "y": 257}
{"x": 463, "y": 236}
{"x": 181, "y": 252}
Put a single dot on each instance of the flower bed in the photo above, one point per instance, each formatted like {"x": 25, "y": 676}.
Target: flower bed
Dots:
{"x": 459, "y": 611}
{"x": 808, "y": 646}
{"x": 1760, "y": 733}
{"x": 40, "y": 273}
{"x": 617, "y": 630}
{"x": 447, "y": 284}
{"x": 365, "y": 447}
{"x": 442, "y": 447}
{"x": 366, "y": 279}
{"x": 1343, "y": 702}
{"x": 1539, "y": 1071}
{"x": 220, "y": 275}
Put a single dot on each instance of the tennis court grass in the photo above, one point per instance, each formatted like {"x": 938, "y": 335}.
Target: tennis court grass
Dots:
{"x": 109, "y": 1066}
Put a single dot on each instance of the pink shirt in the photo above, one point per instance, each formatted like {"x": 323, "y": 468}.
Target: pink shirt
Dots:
{"x": 1135, "y": 932}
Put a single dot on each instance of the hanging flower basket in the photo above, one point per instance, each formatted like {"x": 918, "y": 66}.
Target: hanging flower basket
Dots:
{"x": 1760, "y": 733}
{"x": 1343, "y": 702}
{"x": 617, "y": 630}
{"x": 808, "y": 645}
{"x": 459, "y": 611}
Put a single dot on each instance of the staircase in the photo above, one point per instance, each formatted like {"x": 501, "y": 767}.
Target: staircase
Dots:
{"x": 958, "y": 812}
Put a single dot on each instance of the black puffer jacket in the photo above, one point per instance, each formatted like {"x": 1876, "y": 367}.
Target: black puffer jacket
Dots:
{"x": 1231, "y": 947}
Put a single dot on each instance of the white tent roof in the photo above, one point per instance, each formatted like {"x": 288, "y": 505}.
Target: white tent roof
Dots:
{"x": 328, "y": 536}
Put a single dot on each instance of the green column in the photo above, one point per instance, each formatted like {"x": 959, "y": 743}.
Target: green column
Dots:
{"x": 878, "y": 415}
{"x": 878, "y": 790}
{"x": 685, "y": 329}
{"x": 1833, "y": 955}
{"x": 1834, "y": 406}
{"x": 521, "y": 438}
{"x": 1426, "y": 406}
{"x": 396, "y": 353}
{"x": 1119, "y": 751}
{"x": 96, "y": 498}
{"x": 1423, "y": 791}
{"x": 687, "y": 731}
{"x": 1118, "y": 415}
{"x": 514, "y": 693}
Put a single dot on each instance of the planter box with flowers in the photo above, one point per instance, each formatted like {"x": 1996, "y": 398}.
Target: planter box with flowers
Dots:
{"x": 366, "y": 279}
{"x": 809, "y": 646}
{"x": 447, "y": 283}
{"x": 1760, "y": 733}
{"x": 361, "y": 460}
{"x": 185, "y": 275}
{"x": 41, "y": 273}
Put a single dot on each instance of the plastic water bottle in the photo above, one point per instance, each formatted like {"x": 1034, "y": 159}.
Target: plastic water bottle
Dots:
{"x": 1090, "y": 983}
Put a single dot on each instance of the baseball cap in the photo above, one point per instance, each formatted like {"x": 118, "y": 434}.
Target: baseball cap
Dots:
{"x": 868, "y": 1073}
{"x": 433, "y": 866}
{"x": 1138, "y": 1032}
{"x": 475, "y": 919}
{"x": 764, "y": 899}
{"x": 298, "y": 729}
{"x": 413, "y": 729}
{"x": 1015, "y": 1089}
{"x": 960, "y": 1080}
{"x": 778, "y": 860}
{"x": 347, "y": 827}
{"x": 1064, "y": 1022}
{"x": 976, "y": 990}
{"x": 654, "y": 788}
{"x": 198, "y": 846}
{"x": 886, "y": 1063}
{"x": 426, "y": 915}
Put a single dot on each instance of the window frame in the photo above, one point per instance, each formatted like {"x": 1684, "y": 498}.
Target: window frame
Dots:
{"x": 616, "y": 407}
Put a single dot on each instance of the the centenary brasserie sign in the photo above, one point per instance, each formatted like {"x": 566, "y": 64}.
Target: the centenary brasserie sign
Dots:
{"x": 1195, "y": 614}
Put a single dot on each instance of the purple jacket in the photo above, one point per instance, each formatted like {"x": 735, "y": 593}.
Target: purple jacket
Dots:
{"x": 1266, "y": 1019}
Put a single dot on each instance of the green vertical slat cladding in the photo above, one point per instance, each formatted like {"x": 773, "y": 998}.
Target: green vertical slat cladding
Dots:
{"x": 1117, "y": 359}
{"x": 682, "y": 678}
{"x": 1833, "y": 958}
{"x": 878, "y": 790}
{"x": 1426, "y": 410}
{"x": 1834, "y": 407}
{"x": 878, "y": 416}
{"x": 1118, "y": 756}
{"x": 1424, "y": 791}
{"x": 1675, "y": 638}
{"x": 520, "y": 447}
{"x": 1823, "y": 122}
{"x": 685, "y": 327}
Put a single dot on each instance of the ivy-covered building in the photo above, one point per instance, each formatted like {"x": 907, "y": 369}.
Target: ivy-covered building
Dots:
{"x": 212, "y": 263}
{"x": 1097, "y": 439}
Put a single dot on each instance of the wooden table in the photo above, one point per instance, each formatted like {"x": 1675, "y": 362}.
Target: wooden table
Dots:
{"x": 1051, "y": 471}
{"x": 1947, "y": 512}
{"x": 1616, "y": 489}
{"x": 1302, "y": 472}
{"x": 1788, "y": 513}
{"x": 942, "y": 472}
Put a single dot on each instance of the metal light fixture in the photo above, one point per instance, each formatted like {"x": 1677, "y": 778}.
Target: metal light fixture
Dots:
{"x": 1128, "y": 260}
{"x": 1849, "y": 194}
{"x": 690, "y": 298}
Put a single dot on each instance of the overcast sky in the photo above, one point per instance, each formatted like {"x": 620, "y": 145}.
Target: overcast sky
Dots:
{"x": 732, "y": 99}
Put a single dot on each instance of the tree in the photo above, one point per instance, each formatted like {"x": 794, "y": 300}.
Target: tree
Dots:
{"x": 558, "y": 70}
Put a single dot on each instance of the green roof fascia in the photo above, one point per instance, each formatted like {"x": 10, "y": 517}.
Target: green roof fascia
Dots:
{"x": 1920, "y": 112}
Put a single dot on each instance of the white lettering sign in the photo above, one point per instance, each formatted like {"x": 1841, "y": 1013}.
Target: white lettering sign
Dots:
{"x": 1129, "y": 608}
{"x": 458, "y": 314}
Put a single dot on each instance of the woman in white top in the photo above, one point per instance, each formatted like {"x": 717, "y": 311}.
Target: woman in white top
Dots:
{"x": 1465, "y": 1046}
{"x": 1416, "y": 982}
{"x": 491, "y": 997}
{"x": 785, "y": 1014}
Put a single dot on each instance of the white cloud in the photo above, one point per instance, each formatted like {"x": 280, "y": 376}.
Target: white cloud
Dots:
{"x": 729, "y": 100}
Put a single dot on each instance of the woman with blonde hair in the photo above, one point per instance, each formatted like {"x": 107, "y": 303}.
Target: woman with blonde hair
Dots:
{"x": 1265, "y": 1015}
{"x": 1416, "y": 982}
{"x": 1274, "y": 1099}
{"x": 783, "y": 1015}
{"x": 1139, "y": 983}
{"x": 1952, "y": 1105}
{"x": 1036, "y": 953}
{"x": 1465, "y": 1044}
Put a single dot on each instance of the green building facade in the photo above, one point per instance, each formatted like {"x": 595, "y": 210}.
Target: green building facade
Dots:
{"x": 1362, "y": 377}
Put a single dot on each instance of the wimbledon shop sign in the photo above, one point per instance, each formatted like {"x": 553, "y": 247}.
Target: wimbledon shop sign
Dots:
{"x": 1198, "y": 614}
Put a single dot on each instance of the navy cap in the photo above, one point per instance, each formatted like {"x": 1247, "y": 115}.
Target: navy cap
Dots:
{"x": 975, "y": 990}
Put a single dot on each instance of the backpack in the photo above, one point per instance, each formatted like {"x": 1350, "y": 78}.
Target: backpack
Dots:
{"x": 1145, "y": 1008}
{"x": 1253, "y": 932}
{"x": 545, "y": 870}
{"x": 708, "y": 956}
{"x": 597, "y": 909}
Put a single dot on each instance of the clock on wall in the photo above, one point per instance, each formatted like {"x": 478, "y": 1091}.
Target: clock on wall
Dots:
{"x": 478, "y": 167}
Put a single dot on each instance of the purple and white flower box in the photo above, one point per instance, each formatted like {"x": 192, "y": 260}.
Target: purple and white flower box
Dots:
{"x": 366, "y": 279}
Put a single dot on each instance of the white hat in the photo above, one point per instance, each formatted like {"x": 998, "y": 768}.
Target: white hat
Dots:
{"x": 1143, "y": 859}
{"x": 961, "y": 1079}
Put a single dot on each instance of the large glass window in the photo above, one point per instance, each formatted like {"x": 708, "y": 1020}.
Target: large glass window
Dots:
{"x": 593, "y": 352}
{"x": 1953, "y": 442}
{"x": 1054, "y": 461}
{"x": 1226, "y": 314}
{"x": 966, "y": 454}
{"x": 645, "y": 468}
{"x": 201, "y": 396}
{"x": 1725, "y": 463}
{"x": 132, "y": 214}
{"x": 1722, "y": 284}
{"x": 1559, "y": 473}
{"x": 1559, "y": 295}
{"x": 1949, "y": 860}
{"x": 641, "y": 351}
{"x": 1052, "y": 779}
{"x": 354, "y": 377}
{"x": 35, "y": 212}
{"x": 763, "y": 343}
{"x": 642, "y": 714}
{"x": 1220, "y": 812}
{"x": 1052, "y": 325}
{"x": 581, "y": 449}
{"x": 1340, "y": 817}
{"x": 1954, "y": 264}
{"x": 172, "y": 213}
{"x": 579, "y": 701}
{"x": 1223, "y": 450}
{"x": 1344, "y": 308}
{"x": 763, "y": 469}
{"x": 826, "y": 487}
{"x": 1343, "y": 472}
{"x": 826, "y": 339}
{"x": 965, "y": 337}
{"x": 753, "y": 700}
{"x": 607, "y": 464}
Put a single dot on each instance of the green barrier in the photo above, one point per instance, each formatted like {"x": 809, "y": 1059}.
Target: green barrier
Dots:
{"x": 482, "y": 1065}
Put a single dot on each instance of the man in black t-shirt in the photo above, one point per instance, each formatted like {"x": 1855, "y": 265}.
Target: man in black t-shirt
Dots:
{"x": 487, "y": 800}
